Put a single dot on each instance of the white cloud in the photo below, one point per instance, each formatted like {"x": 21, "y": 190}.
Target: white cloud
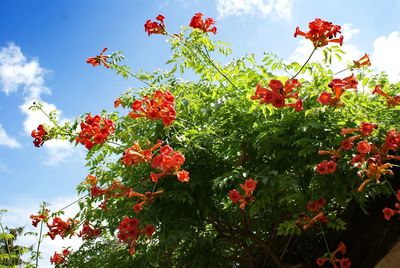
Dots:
{"x": 58, "y": 151}
{"x": 348, "y": 32}
{"x": 4, "y": 168}
{"x": 386, "y": 55}
{"x": 305, "y": 47}
{"x": 279, "y": 8}
{"x": 6, "y": 140}
{"x": 18, "y": 215}
{"x": 19, "y": 73}
{"x": 16, "y": 71}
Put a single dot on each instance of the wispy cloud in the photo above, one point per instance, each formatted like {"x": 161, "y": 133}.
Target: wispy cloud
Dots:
{"x": 386, "y": 56}
{"x": 281, "y": 9}
{"x": 4, "y": 168}
{"x": 19, "y": 73}
{"x": 6, "y": 140}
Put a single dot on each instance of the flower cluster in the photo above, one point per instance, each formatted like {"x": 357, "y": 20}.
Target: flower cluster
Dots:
{"x": 333, "y": 260}
{"x": 388, "y": 213}
{"x": 371, "y": 159}
{"x": 317, "y": 215}
{"x": 96, "y": 191}
{"x": 326, "y": 167}
{"x": 99, "y": 59}
{"x": 316, "y": 205}
{"x": 198, "y": 23}
{"x": 88, "y": 231}
{"x": 115, "y": 190}
{"x": 338, "y": 86}
{"x": 248, "y": 187}
{"x": 390, "y": 100}
{"x": 169, "y": 162}
{"x": 160, "y": 106}
{"x": 39, "y": 135}
{"x": 277, "y": 94}
{"x": 365, "y": 129}
{"x": 135, "y": 155}
{"x": 321, "y": 33}
{"x": 59, "y": 258}
{"x": 152, "y": 27}
{"x": 95, "y": 130}
{"x": 129, "y": 231}
{"x": 41, "y": 217}
{"x": 61, "y": 228}
{"x": 143, "y": 199}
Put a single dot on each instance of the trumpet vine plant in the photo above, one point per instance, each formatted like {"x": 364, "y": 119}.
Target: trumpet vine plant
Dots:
{"x": 254, "y": 164}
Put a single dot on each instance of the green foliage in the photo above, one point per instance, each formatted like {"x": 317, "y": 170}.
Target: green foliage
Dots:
{"x": 101, "y": 253}
{"x": 11, "y": 254}
{"x": 288, "y": 228}
{"x": 122, "y": 70}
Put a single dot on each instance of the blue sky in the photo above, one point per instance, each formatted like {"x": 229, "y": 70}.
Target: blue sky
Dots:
{"x": 44, "y": 44}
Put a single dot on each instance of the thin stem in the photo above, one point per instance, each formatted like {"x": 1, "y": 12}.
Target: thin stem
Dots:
{"x": 302, "y": 67}
{"x": 159, "y": 251}
{"x": 38, "y": 245}
{"x": 6, "y": 240}
{"x": 342, "y": 71}
{"x": 141, "y": 80}
{"x": 206, "y": 50}
{"x": 186, "y": 121}
{"x": 154, "y": 188}
{"x": 48, "y": 116}
{"x": 208, "y": 58}
{"x": 79, "y": 225}
{"x": 218, "y": 70}
{"x": 264, "y": 264}
{"x": 67, "y": 206}
{"x": 268, "y": 249}
{"x": 115, "y": 143}
{"x": 115, "y": 66}
{"x": 189, "y": 48}
{"x": 244, "y": 220}
{"x": 138, "y": 78}
{"x": 286, "y": 246}
{"x": 389, "y": 184}
{"x": 286, "y": 71}
{"x": 198, "y": 57}
{"x": 65, "y": 133}
{"x": 323, "y": 236}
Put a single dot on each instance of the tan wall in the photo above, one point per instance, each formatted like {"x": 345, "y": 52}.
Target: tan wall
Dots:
{"x": 392, "y": 259}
